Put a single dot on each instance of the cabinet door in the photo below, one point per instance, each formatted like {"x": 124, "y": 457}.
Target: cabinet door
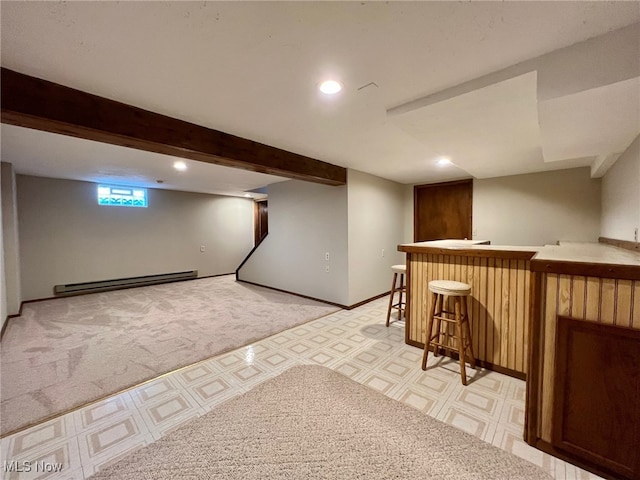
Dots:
{"x": 597, "y": 395}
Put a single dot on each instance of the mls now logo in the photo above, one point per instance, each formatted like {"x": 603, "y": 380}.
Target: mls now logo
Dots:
{"x": 20, "y": 466}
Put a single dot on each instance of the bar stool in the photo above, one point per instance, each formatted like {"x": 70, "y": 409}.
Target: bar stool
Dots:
{"x": 459, "y": 292}
{"x": 397, "y": 270}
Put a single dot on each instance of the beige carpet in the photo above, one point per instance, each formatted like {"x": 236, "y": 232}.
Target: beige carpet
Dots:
{"x": 314, "y": 423}
{"x": 66, "y": 352}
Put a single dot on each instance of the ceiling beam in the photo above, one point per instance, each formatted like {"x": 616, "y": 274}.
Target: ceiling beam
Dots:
{"x": 42, "y": 105}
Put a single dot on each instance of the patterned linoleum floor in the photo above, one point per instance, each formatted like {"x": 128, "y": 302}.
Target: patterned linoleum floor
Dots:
{"x": 355, "y": 343}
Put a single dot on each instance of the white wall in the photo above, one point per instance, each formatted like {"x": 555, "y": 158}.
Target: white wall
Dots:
{"x": 66, "y": 237}
{"x": 306, "y": 220}
{"x": 621, "y": 196}
{"x": 11, "y": 245}
{"x": 376, "y": 223}
{"x": 537, "y": 208}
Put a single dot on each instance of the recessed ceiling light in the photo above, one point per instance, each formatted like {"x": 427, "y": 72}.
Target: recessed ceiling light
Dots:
{"x": 180, "y": 166}
{"x": 443, "y": 161}
{"x": 248, "y": 195}
{"x": 330, "y": 87}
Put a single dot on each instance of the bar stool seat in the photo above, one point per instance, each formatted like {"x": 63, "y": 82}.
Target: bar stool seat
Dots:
{"x": 397, "y": 270}
{"x": 449, "y": 288}
{"x": 459, "y": 317}
{"x": 401, "y": 269}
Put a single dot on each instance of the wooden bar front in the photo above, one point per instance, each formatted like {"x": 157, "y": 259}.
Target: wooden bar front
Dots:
{"x": 498, "y": 306}
{"x": 589, "y": 296}
{"x": 564, "y": 317}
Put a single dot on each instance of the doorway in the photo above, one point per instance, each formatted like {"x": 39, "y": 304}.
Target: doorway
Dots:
{"x": 260, "y": 221}
{"x": 442, "y": 210}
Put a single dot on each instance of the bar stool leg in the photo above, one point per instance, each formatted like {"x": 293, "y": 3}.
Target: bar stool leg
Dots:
{"x": 434, "y": 300}
{"x": 461, "y": 342}
{"x": 400, "y": 309}
{"x": 438, "y": 313}
{"x": 393, "y": 291}
{"x": 468, "y": 340}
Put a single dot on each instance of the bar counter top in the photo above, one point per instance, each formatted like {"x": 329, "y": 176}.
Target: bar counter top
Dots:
{"x": 584, "y": 252}
{"x": 563, "y": 253}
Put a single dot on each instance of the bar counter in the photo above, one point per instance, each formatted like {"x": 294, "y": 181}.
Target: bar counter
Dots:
{"x": 500, "y": 283}
{"x": 584, "y": 361}
{"x": 564, "y": 317}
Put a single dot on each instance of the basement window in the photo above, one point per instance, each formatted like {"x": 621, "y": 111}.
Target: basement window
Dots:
{"x": 122, "y": 196}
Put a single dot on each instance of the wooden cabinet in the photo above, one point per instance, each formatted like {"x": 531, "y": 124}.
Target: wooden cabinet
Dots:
{"x": 584, "y": 370}
{"x": 596, "y": 410}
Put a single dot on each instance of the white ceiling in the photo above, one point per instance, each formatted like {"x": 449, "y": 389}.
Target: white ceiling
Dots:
{"x": 251, "y": 69}
{"x": 496, "y": 122}
{"x": 590, "y": 123}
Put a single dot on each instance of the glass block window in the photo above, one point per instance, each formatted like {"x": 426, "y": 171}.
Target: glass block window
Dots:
{"x": 122, "y": 196}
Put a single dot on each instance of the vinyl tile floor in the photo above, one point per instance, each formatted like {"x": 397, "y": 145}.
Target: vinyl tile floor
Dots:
{"x": 355, "y": 343}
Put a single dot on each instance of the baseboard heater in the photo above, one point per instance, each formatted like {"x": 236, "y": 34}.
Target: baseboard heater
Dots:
{"x": 105, "y": 285}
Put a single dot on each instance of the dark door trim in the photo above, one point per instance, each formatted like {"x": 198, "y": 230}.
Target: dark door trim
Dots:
{"x": 260, "y": 221}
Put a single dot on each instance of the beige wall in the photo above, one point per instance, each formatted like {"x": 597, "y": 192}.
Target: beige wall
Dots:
{"x": 11, "y": 246}
{"x": 306, "y": 220}
{"x": 532, "y": 209}
{"x": 408, "y": 214}
{"x": 66, "y": 237}
{"x": 353, "y": 223}
{"x": 376, "y": 223}
{"x": 621, "y": 196}
{"x": 537, "y": 208}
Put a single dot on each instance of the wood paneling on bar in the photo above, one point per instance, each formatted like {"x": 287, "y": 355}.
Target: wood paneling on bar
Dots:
{"x": 606, "y": 301}
{"x": 42, "y": 105}
{"x": 498, "y": 305}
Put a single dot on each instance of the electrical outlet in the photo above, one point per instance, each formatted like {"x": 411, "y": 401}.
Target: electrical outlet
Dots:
{"x": 326, "y": 268}
{"x": 202, "y": 248}
{"x": 326, "y": 257}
